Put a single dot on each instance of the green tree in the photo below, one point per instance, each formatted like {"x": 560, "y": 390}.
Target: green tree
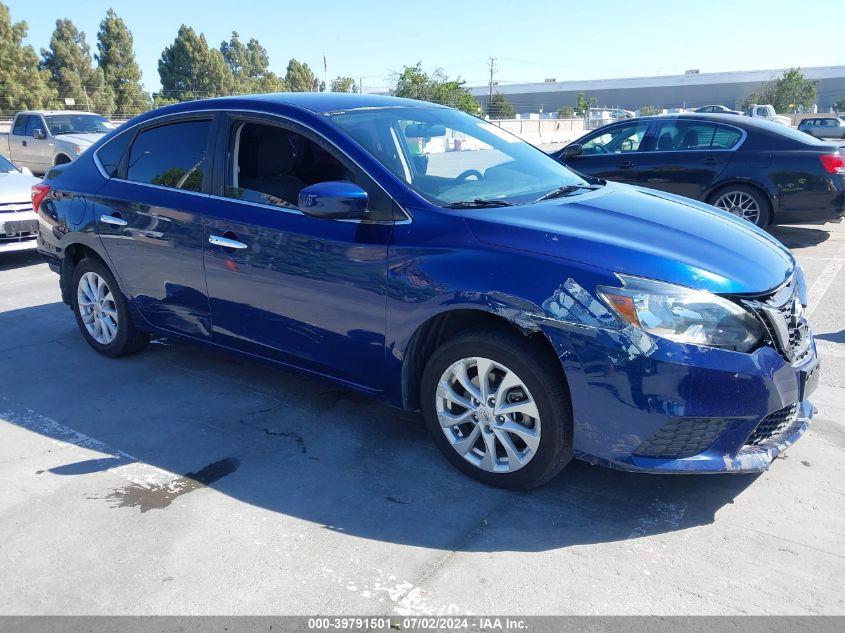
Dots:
{"x": 839, "y": 106}
{"x": 300, "y": 78}
{"x": 786, "y": 94}
{"x": 344, "y": 84}
{"x": 23, "y": 84}
{"x": 500, "y": 108}
{"x": 413, "y": 83}
{"x": 648, "y": 110}
{"x": 250, "y": 67}
{"x": 116, "y": 58}
{"x": 72, "y": 72}
{"x": 566, "y": 112}
{"x": 189, "y": 69}
{"x": 582, "y": 104}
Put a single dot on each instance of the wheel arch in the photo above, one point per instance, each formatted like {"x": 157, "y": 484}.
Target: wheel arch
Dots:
{"x": 447, "y": 324}
{"x": 62, "y": 159}
{"x": 73, "y": 254}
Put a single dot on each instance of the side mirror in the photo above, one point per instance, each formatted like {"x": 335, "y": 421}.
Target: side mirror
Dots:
{"x": 333, "y": 200}
{"x": 38, "y": 134}
{"x": 570, "y": 151}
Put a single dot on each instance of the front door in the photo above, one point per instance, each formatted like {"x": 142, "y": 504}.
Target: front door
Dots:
{"x": 304, "y": 291}
{"x": 149, "y": 217}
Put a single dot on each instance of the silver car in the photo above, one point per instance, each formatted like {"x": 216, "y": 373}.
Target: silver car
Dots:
{"x": 823, "y": 127}
{"x": 18, "y": 222}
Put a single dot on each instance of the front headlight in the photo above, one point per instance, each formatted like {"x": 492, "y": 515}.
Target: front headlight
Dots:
{"x": 682, "y": 314}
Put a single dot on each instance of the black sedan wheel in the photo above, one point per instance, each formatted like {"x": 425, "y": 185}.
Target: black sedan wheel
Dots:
{"x": 744, "y": 202}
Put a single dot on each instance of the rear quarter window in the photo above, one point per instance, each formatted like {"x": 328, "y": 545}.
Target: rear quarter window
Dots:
{"x": 112, "y": 153}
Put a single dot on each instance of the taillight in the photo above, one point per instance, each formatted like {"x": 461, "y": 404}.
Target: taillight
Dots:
{"x": 833, "y": 163}
{"x": 39, "y": 192}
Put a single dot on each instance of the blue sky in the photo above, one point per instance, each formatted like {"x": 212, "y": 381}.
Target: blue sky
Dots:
{"x": 564, "y": 40}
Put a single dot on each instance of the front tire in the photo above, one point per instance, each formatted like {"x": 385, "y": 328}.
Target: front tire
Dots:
{"x": 102, "y": 312}
{"x": 498, "y": 408}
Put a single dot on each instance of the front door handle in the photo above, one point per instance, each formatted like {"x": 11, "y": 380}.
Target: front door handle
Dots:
{"x": 113, "y": 220}
{"x": 626, "y": 164}
{"x": 225, "y": 242}
{"x": 710, "y": 161}
{"x": 23, "y": 143}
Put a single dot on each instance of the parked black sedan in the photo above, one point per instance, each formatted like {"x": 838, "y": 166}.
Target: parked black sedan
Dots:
{"x": 761, "y": 171}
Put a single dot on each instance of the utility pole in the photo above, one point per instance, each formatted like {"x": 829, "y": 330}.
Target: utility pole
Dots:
{"x": 360, "y": 85}
{"x": 87, "y": 103}
{"x": 492, "y": 70}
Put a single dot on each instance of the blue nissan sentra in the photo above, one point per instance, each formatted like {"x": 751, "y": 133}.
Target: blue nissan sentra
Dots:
{"x": 431, "y": 259}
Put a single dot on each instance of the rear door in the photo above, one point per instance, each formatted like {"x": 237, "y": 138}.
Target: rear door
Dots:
{"x": 613, "y": 152}
{"x": 688, "y": 156}
{"x": 304, "y": 291}
{"x": 149, "y": 217}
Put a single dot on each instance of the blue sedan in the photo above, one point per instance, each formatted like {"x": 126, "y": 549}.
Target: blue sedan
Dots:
{"x": 432, "y": 260}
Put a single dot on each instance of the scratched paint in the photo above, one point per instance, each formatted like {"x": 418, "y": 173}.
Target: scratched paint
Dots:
{"x": 571, "y": 302}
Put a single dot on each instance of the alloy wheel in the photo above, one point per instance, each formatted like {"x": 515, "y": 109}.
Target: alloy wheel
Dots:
{"x": 488, "y": 415}
{"x": 97, "y": 308}
{"x": 740, "y": 204}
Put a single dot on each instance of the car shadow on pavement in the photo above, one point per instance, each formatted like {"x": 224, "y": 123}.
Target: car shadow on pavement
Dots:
{"x": 304, "y": 448}
{"x": 797, "y": 237}
{"x": 19, "y": 259}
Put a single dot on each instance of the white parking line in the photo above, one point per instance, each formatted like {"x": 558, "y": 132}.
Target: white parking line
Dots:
{"x": 822, "y": 283}
{"x": 131, "y": 468}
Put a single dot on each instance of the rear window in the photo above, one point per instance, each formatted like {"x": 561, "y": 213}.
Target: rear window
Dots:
{"x": 171, "y": 155}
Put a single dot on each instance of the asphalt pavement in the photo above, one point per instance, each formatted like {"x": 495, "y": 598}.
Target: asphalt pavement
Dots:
{"x": 183, "y": 481}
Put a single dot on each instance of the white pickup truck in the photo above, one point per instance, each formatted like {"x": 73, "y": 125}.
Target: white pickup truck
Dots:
{"x": 39, "y": 139}
{"x": 767, "y": 112}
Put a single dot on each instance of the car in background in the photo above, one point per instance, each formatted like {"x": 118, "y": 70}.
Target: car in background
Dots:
{"x": 823, "y": 127}
{"x": 531, "y": 313}
{"x": 768, "y": 113}
{"x": 39, "y": 139}
{"x": 761, "y": 171}
{"x": 18, "y": 222}
{"x": 716, "y": 109}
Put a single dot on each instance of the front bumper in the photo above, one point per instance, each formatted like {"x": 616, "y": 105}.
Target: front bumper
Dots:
{"x": 682, "y": 408}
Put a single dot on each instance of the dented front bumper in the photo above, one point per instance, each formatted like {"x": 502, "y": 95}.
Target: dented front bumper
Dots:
{"x": 673, "y": 408}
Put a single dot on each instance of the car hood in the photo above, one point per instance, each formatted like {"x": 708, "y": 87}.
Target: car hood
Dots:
{"x": 641, "y": 232}
{"x": 80, "y": 139}
{"x": 16, "y": 187}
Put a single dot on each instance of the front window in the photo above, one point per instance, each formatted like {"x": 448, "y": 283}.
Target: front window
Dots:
{"x": 448, "y": 157}
{"x": 77, "y": 124}
{"x": 618, "y": 140}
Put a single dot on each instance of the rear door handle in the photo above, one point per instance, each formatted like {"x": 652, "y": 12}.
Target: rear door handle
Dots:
{"x": 710, "y": 161}
{"x": 225, "y": 242}
{"x": 113, "y": 220}
{"x": 626, "y": 164}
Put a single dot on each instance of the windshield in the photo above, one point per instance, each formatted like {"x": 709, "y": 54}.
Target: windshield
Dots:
{"x": 6, "y": 167}
{"x": 77, "y": 124}
{"x": 448, "y": 156}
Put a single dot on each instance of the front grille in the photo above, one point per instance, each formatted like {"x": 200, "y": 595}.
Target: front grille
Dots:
{"x": 783, "y": 315}
{"x": 773, "y": 425}
{"x": 682, "y": 437}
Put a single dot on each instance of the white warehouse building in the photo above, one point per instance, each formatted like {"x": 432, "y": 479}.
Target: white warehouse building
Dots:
{"x": 690, "y": 90}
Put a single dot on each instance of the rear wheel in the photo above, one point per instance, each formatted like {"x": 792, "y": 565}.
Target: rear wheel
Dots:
{"x": 745, "y": 202}
{"x": 101, "y": 311}
{"x": 498, "y": 408}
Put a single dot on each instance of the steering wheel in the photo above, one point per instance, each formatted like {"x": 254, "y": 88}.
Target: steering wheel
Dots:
{"x": 601, "y": 149}
{"x": 470, "y": 172}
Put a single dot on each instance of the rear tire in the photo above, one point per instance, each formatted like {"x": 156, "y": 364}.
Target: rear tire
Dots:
{"x": 102, "y": 312}
{"x": 744, "y": 202}
{"x": 516, "y": 431}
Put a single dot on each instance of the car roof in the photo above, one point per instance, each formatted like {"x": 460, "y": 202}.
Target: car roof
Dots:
{"x": 316, "y": 102}
{"x": 57, "y": 112}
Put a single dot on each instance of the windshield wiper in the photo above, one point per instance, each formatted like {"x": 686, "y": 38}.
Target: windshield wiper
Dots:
{"x": 477, "y": 203}
{"x": 566, "y": 190}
